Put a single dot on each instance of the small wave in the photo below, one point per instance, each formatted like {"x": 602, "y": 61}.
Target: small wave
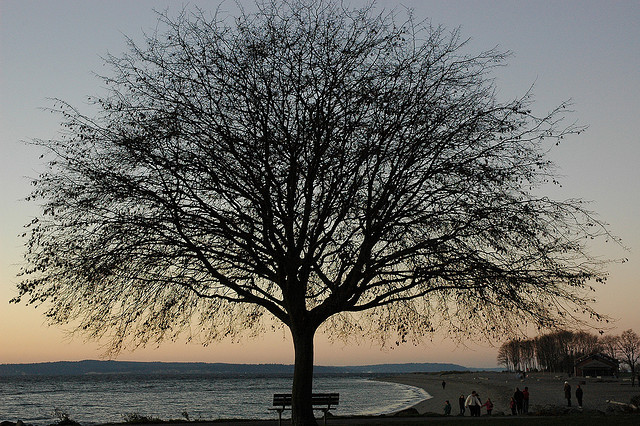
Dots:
{"x": 410, "y": 396}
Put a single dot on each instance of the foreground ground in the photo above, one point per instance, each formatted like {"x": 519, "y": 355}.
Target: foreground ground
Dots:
{"x": 583, "y": 420}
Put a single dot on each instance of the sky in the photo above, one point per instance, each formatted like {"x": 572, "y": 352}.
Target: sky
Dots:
{"x": 587, "y": 51}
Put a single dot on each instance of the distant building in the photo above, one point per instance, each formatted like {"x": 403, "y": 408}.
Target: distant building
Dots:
{"x": 596, "y": 365}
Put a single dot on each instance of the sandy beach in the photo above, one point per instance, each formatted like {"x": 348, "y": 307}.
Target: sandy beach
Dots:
{"x": 546, "y": 390}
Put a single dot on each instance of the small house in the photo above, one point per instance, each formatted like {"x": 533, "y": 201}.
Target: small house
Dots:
{"x": 595, "y": 365}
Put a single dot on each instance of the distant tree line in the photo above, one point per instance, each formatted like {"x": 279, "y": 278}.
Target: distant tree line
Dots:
{"x": 558, "y": 351}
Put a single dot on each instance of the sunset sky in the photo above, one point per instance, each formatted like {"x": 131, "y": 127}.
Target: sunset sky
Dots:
{"x": 587, "y": 51}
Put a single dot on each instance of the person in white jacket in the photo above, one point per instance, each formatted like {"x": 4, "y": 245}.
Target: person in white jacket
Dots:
{"x": 473, "y": 402}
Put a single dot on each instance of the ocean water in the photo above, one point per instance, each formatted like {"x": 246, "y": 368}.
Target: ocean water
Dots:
{"x": 92, "y": 399}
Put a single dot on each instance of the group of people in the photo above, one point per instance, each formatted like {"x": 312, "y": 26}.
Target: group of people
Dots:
{"x": 519, "y": 403}
{"x": 567, "y": 394}
{"x": 471, "y": 402}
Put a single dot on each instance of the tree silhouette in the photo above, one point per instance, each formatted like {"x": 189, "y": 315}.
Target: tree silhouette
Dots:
{"x": 556, "y": 351}
{"x": 628, "y": 347}
{"x": 320, "y": 165}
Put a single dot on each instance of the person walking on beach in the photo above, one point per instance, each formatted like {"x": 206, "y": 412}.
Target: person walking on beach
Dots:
{"x": 447, "y": 408}
{"x": 444, "y": 384}
{"x": 461, "y": 404}
{"x": 567, "y": 393}
{"x": 474, "y": 404}
{"x": 489, "y": 406}
{"x": 579, "y": 395}
{"x": 512, "y": 405}
{"x": 525, "y": 401}
{"x": 518, "y": 397}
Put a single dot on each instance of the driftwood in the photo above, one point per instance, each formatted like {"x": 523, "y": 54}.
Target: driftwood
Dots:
{"x": 624, "y": 404}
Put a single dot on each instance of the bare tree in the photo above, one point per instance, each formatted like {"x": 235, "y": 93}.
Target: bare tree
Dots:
{"x": 609, "y": 345}
{"x": 503, "y": 356}
{"x": 584, "y": 343}
{"x": 327, "y": 167}
{"x": 544, "y": 352}
{"x": 509, "y": 355}
{"x": 513, "y": 355}
{"x": 567, "y": 353}
{"x": 629, "y": 351}
{"x": 553, "y": 351}
{"x": 527, "y": 354}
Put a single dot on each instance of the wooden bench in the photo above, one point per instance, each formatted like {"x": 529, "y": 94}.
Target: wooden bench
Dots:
{"x": 319, "y": 401}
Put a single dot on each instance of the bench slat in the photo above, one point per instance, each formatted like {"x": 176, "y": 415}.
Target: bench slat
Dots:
{"x": 284, "y": 399}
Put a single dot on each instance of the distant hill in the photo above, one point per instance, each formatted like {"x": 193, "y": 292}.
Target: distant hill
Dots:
{"x": 425, "y": 367}
{"x": 128, "y": 367}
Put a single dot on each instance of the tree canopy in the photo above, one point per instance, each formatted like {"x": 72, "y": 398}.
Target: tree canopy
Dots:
{"x": 316, "y": 163}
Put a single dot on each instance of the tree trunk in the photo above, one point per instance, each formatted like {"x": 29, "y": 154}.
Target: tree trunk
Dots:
{"x": 301, "y": 408}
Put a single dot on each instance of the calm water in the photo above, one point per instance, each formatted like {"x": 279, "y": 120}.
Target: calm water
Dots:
{"x": 107, "y": 398}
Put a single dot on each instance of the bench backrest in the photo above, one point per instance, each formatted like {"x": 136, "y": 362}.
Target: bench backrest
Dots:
{"x": 328, "y": 399}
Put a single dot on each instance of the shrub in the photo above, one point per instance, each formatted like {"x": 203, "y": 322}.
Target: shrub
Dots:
{"x": 63, "y": 418}
{"x": 136, "y": 418}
